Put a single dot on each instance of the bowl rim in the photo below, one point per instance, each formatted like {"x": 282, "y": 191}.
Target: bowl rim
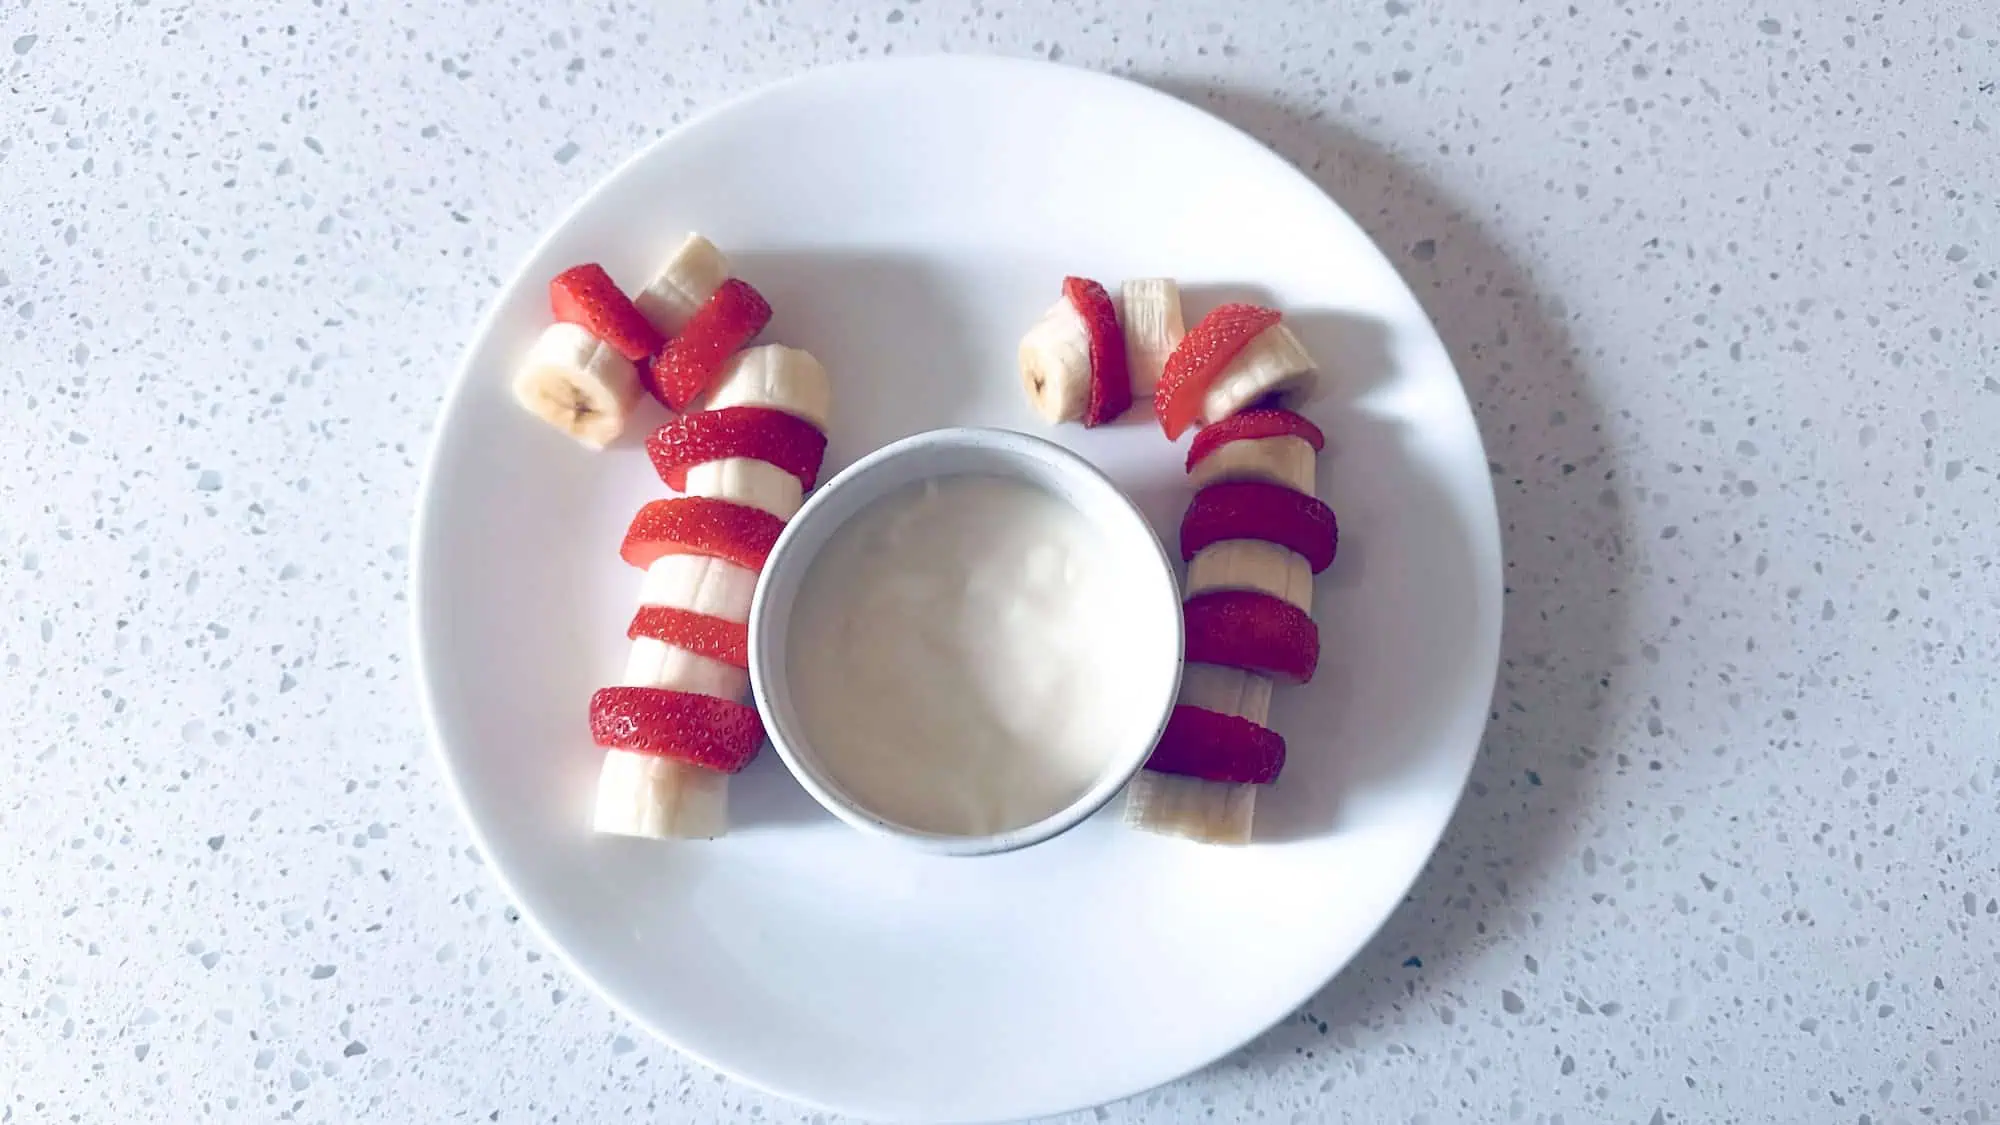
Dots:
{"x": 768, "y": 676}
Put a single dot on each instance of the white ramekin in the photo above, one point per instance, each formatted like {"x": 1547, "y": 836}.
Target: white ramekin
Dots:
{"x": 1156, "y": 664}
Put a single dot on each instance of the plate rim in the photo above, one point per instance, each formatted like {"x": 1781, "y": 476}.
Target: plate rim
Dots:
{"x": 1485, "y": 518}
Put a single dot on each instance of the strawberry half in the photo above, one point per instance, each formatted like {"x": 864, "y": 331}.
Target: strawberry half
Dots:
{"x": 1202, "y": 355}
{"x": 586, "y": 296}
{"x": 717, "y": 734}
{"x": 699, "y": 633}
{"x": 1110, "y": 373}
{"x": 726, "y": 322}
{"x": 1251, "y": 425}
{"x": 785, "y": 440}
{"x": 1256, "y": 509}
{"x": 1254, "y": 631}
{"x": 701, "y": 525}
{"x": 1217, "y": 747}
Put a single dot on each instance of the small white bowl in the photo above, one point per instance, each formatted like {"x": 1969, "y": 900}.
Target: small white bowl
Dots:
{"x": 948, "y": 453}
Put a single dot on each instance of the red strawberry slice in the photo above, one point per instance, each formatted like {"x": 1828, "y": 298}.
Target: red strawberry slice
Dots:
{"x": 650, "y": 385}
{"x": 585, "y": 295}
{"x": 717, "y": 734}
{"x": 1217, "y": 747}
{"x": 701, "y": 525}
{"x": 726, "y": 322}
{"x": 785, "y": 440}
{"x": 1257, "y": 509}
{"x": 1201, "y": 356}
{"x": 699, "y": 633}
{"x": 1251, "y": 425}
{"x": 1110, "y": 374}
{"x": 1254, "y": 631}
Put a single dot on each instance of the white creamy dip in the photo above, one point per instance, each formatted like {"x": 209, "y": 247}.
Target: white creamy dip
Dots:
{"x": 959, "y": 655}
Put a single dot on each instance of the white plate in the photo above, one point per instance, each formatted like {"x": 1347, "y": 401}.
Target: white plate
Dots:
{"x": 908, "y": 220}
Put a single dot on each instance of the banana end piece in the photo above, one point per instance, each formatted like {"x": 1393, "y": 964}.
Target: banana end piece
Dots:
{"x": 658, "y": 798}
{"x": 1207, "y": 812}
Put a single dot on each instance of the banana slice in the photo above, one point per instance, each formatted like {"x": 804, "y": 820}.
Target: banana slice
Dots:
{"x": 700, "y": 584}
{"x": 1251, "y": 564}
{"x": 696, "y": 270}
{"x": 1281, "y": 460}
{"x": 659, "y": 798}
{"x": 1231, "y": 691}
{"x": 648, "y": 795}
{"x": 746, "y": 480}
{"x": 1207, "y": 812}
{"x": 655, "y": 663}
{"x": 575, "y": 382}
{"x": 1211, "y": 812}
{"x": 1055, "y": 364}
{"x": 1149, "y": 309}
{"x": 776, "y": 376}
{"x": 1272, "y": 363}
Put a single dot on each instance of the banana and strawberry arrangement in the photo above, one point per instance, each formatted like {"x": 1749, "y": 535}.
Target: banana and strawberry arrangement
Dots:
{"x": 743, "y": 449}
{"x": 1253, "y": 538}
{"x": 745, "y": 444}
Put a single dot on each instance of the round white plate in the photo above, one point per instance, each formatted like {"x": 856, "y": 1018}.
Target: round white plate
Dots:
{"x": 908, "y": 220}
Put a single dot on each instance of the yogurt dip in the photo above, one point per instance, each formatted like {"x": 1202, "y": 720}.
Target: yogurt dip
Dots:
{"x": 959, "y": 655}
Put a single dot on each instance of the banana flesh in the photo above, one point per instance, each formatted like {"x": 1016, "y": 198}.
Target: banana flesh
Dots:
{"x": 750, "y": 482}
{"x": 1281, "y": 460}
{"x": 690, "y": 277}
{"x": 575, "y": 382}
{"x": 1149, "y": 310}
{"x": 659, "y": 798}
{"x": 777, "y": 377}
{"x": 1055, "y": 364}
{"x": 1272, "y": 363}
{"x": 700, "y": 584}
{"x": 1251, "y": 564}
{"x": 1207, "y": 812}
{"x": 1231, "y": 691}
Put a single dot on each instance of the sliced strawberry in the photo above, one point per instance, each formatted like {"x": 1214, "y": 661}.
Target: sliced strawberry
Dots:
{"x": 1254, "y": 631}
{"x": 1260, "y": 422}
{"x": 647, "y": 383}
{"x": 785, "y": 440}
{"x": 1257, "y": 509}
{"x": 586, "y": 296}
{"x": 699, "y": 633}
{"x": 717, "y": 734}
{"x": 726, "y": 322}
{"x": 1201, "y": 356}
{"x": 1110, "y": 374}
{"x": 701, "y": 525}
{"x": 1217, "y": 747}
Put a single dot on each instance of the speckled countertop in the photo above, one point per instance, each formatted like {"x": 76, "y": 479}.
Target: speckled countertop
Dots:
{"x": 1720, "y": 277}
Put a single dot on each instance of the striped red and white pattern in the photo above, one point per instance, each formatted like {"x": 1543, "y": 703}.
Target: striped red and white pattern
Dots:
{"x": 656, "y": 796}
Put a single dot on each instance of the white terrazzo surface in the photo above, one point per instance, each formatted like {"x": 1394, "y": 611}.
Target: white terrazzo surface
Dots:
{"x": 1721, "y": 277}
